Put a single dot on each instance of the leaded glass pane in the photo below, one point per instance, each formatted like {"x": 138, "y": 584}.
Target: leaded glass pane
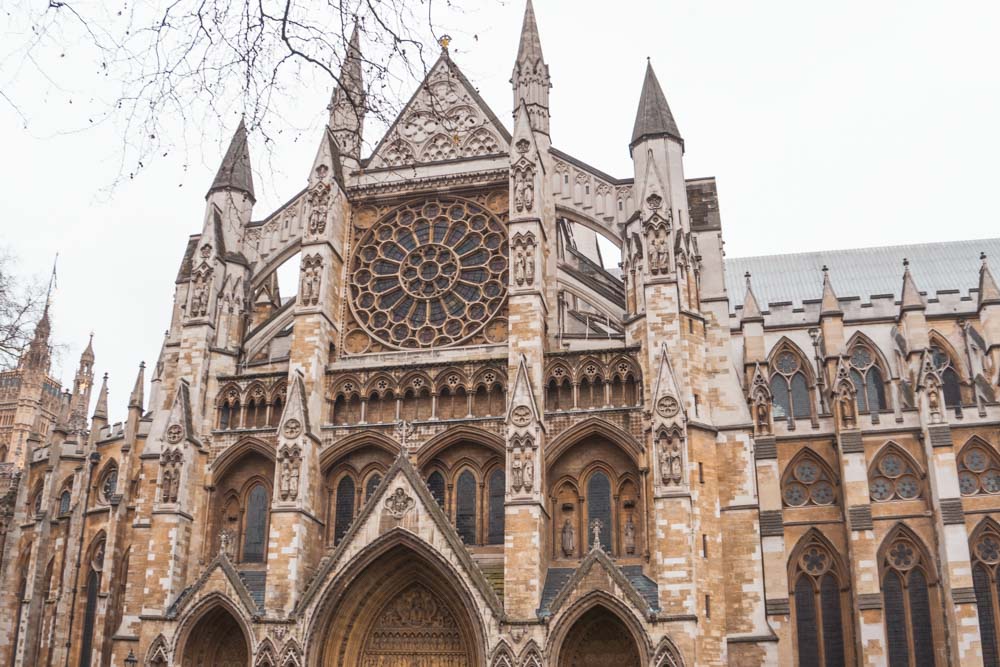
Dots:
{"x": 833, "y": 633}
{"x": 344, "y": 509}
{"x": 920, "y": 617}
{"x": 372, "y": 484}
{"x": 800, "y": 396}
{"x": 895, "y": 620}
{"x": 952, "y": 388}
{"x": 779, "y": 393}
{"x": 496, "y": 507}
{"x": 876, "y": 389}
{"x": 805, "y": 623}
{"x": 465, "y": 507}
{"x": 987, "y": 623}
{"x": 256, "y": 537}
{"x": 599, "y": 509}
{"x": 436, "y": 485}
{"x": 859, "y": 390}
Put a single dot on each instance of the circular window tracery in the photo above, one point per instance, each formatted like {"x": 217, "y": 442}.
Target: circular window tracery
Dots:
{"x": 430, "y": 273}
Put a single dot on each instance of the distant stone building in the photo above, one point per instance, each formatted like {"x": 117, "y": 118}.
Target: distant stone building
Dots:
{"x": 464, "y": 442}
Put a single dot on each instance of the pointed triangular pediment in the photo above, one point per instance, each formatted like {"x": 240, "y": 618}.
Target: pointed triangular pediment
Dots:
{"x": 667, "y": 396}
{"x": 327, "y": 164}
{"x": 446, "y": 119}
{"x": 219, "y": 578}
{"x": 598, "y": 572}
{"x": 295, "y": 417}
{"x": 180, "y": 427}
{"x": 523, "y": 410}
{"x": 402, "y": 508}
{"x": 989, "y": 293}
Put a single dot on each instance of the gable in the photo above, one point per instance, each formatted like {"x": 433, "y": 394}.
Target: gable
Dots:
{"x": 446, "y": 119}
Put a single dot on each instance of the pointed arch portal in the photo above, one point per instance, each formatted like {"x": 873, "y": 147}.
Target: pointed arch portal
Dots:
{"x": 216, "y": 640}
{"x": 401, "y": 610}
{"x": 598, "y": 639}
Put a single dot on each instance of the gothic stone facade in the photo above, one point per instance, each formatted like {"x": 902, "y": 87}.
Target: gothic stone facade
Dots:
{"x": 464, "y": 442}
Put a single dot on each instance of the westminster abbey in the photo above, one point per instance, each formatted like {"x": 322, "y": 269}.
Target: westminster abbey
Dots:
{"x": 466, "y": 442}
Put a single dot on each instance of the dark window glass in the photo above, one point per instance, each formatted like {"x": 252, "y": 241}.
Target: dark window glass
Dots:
{"x": 805, "y": 623}
{"x": 599, "y": 508}
{"x": 800, "y": 396}
{"x": 497, "y": 485}
{"x": 344, "y": 513}
{"x": 256, "y": 531}
{"x": 952, "y": 388}
{"x": 859, "y": 390}
{"x": 987, "y": 624}
{"x": 895, "y": 620}
{"x": 89, "y": 617}
{"x": 920, "y": 617}
{"x": 779, "y": 390}
{"x": 436, "y": 484}
{"x": 465, "y": 507}
{"x": 876, "y": 389}
{"x": 372, "y": 484}
{"x": 64, "y": 501}
{"x": 833, "y": 635}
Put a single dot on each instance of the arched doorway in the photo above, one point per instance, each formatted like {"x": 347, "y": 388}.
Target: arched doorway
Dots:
{"x": 597, "y": 639}
{"x": 216, "y": 640}
{"x": 402, "y": 609}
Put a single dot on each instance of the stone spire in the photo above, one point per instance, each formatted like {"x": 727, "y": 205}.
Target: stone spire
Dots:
{"x": 531, "y": 75}
{"x": 83, "y": 383}
{"x": 751, "y": 311}
{"x": 38, "y": 354}
{"x": 235, "y": 173}
{"x": 988, "y": 292}
{"x": 135, "y": 400}
{"x": 347, "y": 105}
{"x": 88, "y": 353}
{"x": 653, "y": 118}
{"x": 101, "y": 409}
{"x": 830, "y": 304}
{"x": 911, "y": 298}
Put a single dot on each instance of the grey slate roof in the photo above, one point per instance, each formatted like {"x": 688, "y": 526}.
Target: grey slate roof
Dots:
{"x": 653, "y": 117}
{"x": 234, "y": 172}
{"x": 859, "y": 272}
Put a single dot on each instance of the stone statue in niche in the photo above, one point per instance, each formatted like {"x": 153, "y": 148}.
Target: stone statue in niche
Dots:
{"x": 288, "y": 480}
{"x": 763, "y": 415}
{"x": 568, "y": 539}
{"x": 516, "y": 473}
{"x": 934, "y": 402}
{"x": 170, "y": 483}
{"x": 524, "y": 187}
{"x": 670, "y": 460}
{"x": 595, "y": 529}
{"x": 529, "y": 265}
{"x": 848, "y": 418}
{"x": 519, "y": 267}
{"x": 662, "y": 253}
{"x": 319, "y": 201}
{"x": 199, "y": 294}
{"x": 529, "y": 471}
{"x": 629, "y": 535}
{"x": 524, "y": 258}
{"x": 227, "y": 545}
{"x": 312, "y": 276}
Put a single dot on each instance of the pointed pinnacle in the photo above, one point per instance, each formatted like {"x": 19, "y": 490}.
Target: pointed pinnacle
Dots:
{"x": 989, "y": 293}
{"x": 751, "y": 310}
{"x": 88, "y": 353}
{"x": 530, "y": 47}
{"x": 101, "y": 410}
{"x": 830, "y": 304}
{"x": 911, "y": 299}
{"x": 135, "y": 400}
{"x": 235, "y": 172}
{"x": 653, "y": 117}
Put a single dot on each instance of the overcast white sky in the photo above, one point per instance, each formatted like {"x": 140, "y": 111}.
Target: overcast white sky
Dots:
{"x": 827, "y": 125}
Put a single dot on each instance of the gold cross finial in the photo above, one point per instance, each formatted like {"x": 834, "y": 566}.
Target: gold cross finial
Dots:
{"x": 444, "y": 41}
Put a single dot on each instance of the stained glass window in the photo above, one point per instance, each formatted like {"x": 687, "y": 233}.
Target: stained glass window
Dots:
{"x": 789, "y": 388}
{"x": 893, "y": 477}
{"x": 465, "y": 507}
{"x": 496, "y": 507}
{"x": 344, "y": 509}
{"x": 599, "y": 509}
{"x": 255, "y": 537}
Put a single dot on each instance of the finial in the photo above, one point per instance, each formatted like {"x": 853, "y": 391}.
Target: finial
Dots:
{"x": 906, "y": 263}
{"x": 747, "y": 277}
{"x": 826, "y": 269}
{"x": 982, "y": 257}
{"x": 444, "y": 41}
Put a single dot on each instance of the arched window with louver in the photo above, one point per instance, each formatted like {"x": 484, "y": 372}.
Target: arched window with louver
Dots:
{"x": 255, "y": 533}
{"x": 789, "y": 386}
{"x": 819, "y": 604}
{"x": 436, "y": 485}
{"x": 868, "y": 379}
{"x": 465, "y": 507}
{"x": 906, "y": 593}
{"x": 344, "y": 508}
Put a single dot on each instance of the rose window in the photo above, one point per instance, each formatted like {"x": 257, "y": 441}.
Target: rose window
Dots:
{"x": 978, "y": 471}
{"x": 893, "y": 478}
{"x": 430, "y": 273}
{"x": 808, "y": 483}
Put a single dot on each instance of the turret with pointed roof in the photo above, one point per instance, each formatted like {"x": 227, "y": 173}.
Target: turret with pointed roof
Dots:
{"x": 347, "y": 105}
{"x": 653, "y": 118}
{"x": 531, "y": 75}
{"x": 235, "y": 172}
{"x": 830, "y": 304}
{"x": 911, "y": 298}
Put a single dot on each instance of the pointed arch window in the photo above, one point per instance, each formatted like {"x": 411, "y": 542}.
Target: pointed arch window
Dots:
{"x": 277, "y": 407}
{"x": 869, "y": 384}
{"x": 93, "y": 589}
{"x": 985, "y": 580}
{"x": 371, "y": 485}
{"x": 819, "y": 607}
{"x": 255, "y": 532}
{"x": 229, "y": 410}
{"x": 108, "y": 484}
{"x": 951, "y": 383}
{"x": 497, "y": 488}
{"x": 599, "y": 509}
{"x": 808, "y": 481}
{"x": 343, "y": 513}
{"x": 893, "y": 476}
{"x": 906, "y": 593}
{"x": 435, "y": 483}
{"x": 789, "y": 387}
{"x": 64, "y": 502}
{"x": 978, "y": 469}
